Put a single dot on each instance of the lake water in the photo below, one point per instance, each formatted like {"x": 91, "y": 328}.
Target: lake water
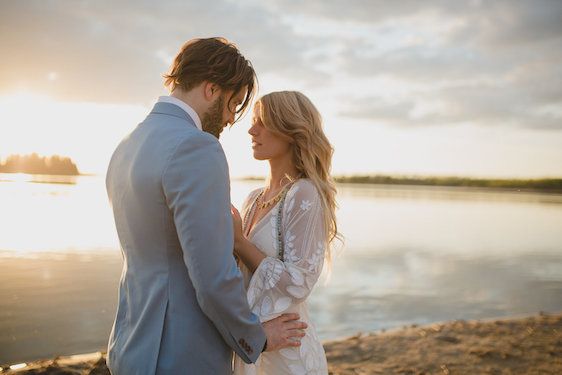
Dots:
{"x": 412, "y": 255}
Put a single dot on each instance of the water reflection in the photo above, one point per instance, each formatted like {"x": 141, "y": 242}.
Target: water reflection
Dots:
{"x": 53, "y": 304}
{"x": 64, "y": 303}
{"x": 441, "y": 193}
{"x": 55, "y": 217}
{"x": 413, "y": 255}
{"x": 394, "y": 288}
{"x": 38, "y": 178}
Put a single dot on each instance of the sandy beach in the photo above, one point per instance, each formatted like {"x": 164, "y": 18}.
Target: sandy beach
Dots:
{"x": 530, "y": 345}
{"x": 527, "y": 345}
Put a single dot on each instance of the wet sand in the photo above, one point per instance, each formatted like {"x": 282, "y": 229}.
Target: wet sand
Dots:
{"x": 529, "y": 345}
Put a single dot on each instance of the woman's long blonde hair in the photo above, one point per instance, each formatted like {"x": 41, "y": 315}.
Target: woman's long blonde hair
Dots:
{"x": 292, "y": 114}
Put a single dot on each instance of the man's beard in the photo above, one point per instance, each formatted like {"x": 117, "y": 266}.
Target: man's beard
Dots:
{"x": 212, "y": 119}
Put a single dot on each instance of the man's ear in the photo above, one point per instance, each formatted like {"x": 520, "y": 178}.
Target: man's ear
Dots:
{"x": 211, "y": 91}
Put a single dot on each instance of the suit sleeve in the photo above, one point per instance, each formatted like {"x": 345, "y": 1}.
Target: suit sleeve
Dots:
{"x": 197, "y": 191}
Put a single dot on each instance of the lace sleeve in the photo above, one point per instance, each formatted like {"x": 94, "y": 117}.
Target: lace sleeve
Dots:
{"x": 277, "y": 285}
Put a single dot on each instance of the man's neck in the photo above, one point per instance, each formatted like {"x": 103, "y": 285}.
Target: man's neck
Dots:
{"x": 191, "y": 99}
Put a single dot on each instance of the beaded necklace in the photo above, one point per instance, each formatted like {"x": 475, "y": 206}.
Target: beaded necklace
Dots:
{"x": 252, "y": 210}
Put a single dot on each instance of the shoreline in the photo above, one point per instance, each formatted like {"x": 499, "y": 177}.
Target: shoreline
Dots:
{"x": 514, "y": 345}
{"x": 535, "y": 185}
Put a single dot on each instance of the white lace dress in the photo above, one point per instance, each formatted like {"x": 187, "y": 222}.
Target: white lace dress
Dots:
{"x": 278, "y": 287}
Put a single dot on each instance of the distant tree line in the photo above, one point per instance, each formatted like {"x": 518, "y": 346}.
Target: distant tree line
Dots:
{"x": 553, "y": 184}
{"x": 35, "y": 164}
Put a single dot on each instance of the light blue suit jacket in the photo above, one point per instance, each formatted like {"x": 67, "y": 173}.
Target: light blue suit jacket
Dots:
{"x": 182, "y": 305}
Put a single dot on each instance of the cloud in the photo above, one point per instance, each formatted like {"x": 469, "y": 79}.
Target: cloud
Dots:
{"x": 498, "y": 64}
{"x": 447, "y": 62}
{"x": 513, "y": 24}
{"x": 529, "y": 95}
{"x": 117, "y": 51}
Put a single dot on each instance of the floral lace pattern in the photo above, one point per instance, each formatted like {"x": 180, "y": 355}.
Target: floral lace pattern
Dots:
{"x": 279, "y": 286}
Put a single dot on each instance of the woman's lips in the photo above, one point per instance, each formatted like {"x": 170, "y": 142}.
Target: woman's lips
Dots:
{"x": 255, "y": 144}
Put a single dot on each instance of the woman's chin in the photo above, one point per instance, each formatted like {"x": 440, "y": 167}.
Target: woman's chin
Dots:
{"x": 258, "y": 156}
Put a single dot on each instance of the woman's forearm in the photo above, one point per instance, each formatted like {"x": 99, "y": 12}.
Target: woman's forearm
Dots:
{"x": 249, "y": 254}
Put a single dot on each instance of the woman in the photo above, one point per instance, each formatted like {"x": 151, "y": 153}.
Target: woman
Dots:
{"x": 284, "y": 232}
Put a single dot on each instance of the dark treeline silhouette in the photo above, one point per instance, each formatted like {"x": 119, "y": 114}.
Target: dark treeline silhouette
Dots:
{"x": 553, "y": 185}
{"x": 543, "y": 184}
{"x": 35, "y": 164}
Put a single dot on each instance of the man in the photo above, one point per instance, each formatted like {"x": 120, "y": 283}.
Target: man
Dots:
{"x": 182, "y": 305}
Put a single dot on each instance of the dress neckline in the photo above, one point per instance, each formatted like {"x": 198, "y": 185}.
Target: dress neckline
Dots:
{"x": 252, "y": 212}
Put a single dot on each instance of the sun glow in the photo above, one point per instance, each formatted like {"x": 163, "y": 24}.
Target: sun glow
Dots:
{"x": 89, "y": 132}
{"x": 85, "y": 132}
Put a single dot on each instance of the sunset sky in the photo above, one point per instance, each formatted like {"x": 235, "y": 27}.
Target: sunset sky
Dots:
{"x": 467, "y": 88}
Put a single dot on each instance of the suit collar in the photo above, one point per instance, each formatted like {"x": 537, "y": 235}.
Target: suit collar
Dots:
{"x": 170, "y": 109}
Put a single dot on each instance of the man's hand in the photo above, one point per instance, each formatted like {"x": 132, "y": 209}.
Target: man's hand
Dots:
{"x": 283, "y": 332}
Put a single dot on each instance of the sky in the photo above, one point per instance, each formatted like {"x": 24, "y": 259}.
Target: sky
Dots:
{"x": 457, "y": 88}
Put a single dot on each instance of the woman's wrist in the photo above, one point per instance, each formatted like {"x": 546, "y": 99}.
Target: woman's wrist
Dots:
{"x": 248, "y": 253}
{"x": 239, "y": 243}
